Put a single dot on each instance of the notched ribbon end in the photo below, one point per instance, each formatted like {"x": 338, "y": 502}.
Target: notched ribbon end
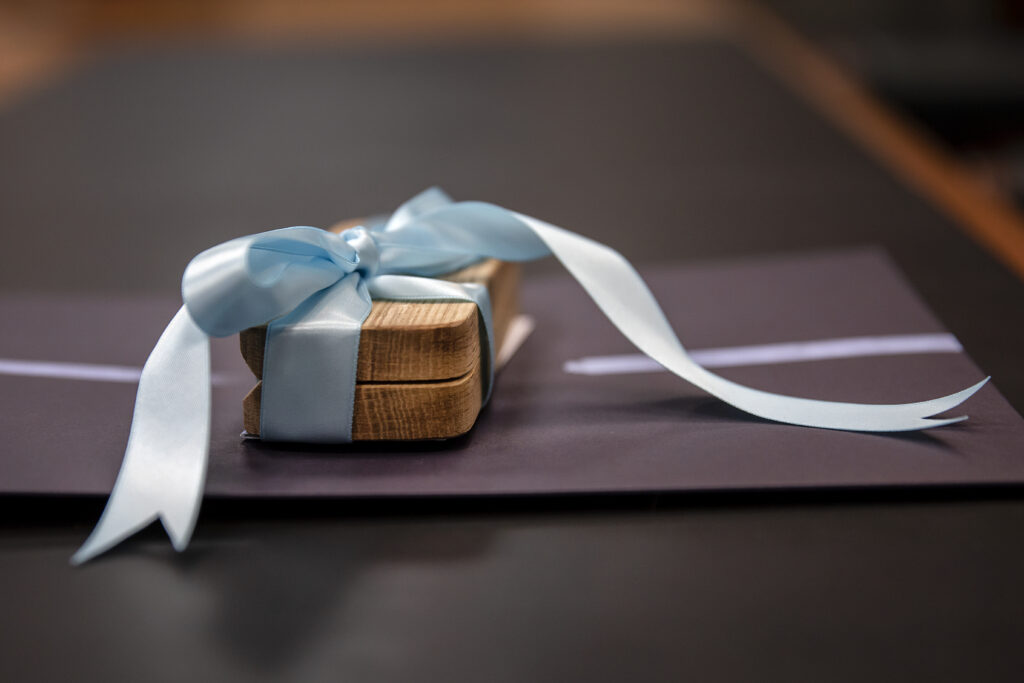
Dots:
{"x": 941, "y": 405}
{"x": 955, "y": 400}
{"x": 113, "y": 529}
{"x": 109, "y": 531}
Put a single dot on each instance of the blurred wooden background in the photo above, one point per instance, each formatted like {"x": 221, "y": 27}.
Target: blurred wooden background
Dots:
{"x": 934, "y": 90}
{"x": 37, "y": 37}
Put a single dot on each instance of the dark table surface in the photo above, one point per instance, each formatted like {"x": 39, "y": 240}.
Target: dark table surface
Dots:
{"x": 671, "y": 151}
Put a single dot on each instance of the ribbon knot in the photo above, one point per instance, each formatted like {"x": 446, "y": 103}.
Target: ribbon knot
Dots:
{"x": 367, "y": 251}
{"x": 314, "y": 288}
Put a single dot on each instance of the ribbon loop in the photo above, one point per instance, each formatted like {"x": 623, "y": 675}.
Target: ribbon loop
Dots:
{"x": 252, "y": 280}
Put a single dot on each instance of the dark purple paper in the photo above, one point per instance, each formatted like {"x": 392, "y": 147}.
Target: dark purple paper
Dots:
{"x": 547, "y": 431}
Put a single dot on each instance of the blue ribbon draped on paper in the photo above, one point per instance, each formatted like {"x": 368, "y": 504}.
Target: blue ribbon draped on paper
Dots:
{"x": 314, "y": 288}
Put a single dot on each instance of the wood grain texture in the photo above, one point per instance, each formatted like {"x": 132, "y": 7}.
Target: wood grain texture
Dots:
{"x": 418, "y": 374}
{"x": 401, "y": 411}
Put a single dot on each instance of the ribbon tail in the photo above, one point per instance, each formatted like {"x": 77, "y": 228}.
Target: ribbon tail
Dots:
{"x": 622, "y": 295}
{"x": 164, "y": 467}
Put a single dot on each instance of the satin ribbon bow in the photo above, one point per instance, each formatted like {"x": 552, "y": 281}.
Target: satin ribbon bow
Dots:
{"x": 314, "y": 288}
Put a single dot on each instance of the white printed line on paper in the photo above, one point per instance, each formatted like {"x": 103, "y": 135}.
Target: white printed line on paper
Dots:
{"x": 93, "y": 372}
{"x": 521, "y": 327}
{"x": 765, "y": 354}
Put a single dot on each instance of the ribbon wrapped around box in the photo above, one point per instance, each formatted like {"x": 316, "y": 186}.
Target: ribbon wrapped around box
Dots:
{"x": 314, "y": 289}
{"x": 421, "y": 365}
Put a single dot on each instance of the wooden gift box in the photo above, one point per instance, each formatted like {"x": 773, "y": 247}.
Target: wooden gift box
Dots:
{"x": 419, "y": 373}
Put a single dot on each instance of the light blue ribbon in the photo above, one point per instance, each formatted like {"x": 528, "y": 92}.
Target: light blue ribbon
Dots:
{"x": 314, "y": 288}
